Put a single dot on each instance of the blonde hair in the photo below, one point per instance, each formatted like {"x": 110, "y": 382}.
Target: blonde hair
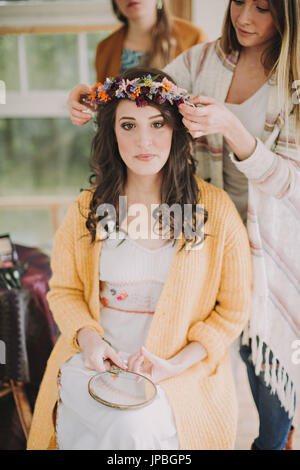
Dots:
{"x": 164, "y": 43}
{"x": 281, "y": 57}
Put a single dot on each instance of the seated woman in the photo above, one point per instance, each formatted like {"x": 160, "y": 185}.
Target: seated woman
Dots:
{"x": 171, "y": 297}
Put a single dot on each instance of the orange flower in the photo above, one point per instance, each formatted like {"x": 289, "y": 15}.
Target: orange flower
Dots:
{"x": 103, "y": 96}
{"x": 136, "y": 93}
{"x": 98, "y": 93}
{"x": 167, "y": 85}
{"x": 97, "y": 85}
{"x": 94, "y": 91}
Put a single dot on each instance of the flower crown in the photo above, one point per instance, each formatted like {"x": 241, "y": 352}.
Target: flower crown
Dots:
{"x": 141, "y": 90}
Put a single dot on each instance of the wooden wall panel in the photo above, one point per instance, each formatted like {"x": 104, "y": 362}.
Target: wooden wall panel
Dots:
{"x": 182, "y": 8}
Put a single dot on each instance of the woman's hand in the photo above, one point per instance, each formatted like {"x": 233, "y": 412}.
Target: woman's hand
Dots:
{"x": 211, "y": 118}
{"x": 97, "y": 354}
{"x": 79, "y": 113}
{"x": 156, "y": 368}
{"x": 214, "y": 117}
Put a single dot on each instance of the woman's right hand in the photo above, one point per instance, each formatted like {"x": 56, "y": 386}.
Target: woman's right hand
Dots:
{"x": 97, "y": 354}
{"x": 79, "y": 113}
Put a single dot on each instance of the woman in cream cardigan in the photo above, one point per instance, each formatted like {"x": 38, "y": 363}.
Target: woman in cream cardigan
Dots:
{"x": 247, "y": 133}
{"x": 177, "y": 300}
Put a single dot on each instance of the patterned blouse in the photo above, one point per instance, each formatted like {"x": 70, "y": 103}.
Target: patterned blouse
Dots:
{"x": 131, "y": 58}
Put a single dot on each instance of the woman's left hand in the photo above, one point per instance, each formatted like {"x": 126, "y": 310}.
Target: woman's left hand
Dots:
{"x": 156, "y": 368}
{"x": 211, "y": 118}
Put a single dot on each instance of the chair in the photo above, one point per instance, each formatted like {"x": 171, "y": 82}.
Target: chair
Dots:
{"x": 28, "y": 332}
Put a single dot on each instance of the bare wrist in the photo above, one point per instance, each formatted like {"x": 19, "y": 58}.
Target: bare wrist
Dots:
{"x": 86, "y": 335}
{"x": 239, "y": 139}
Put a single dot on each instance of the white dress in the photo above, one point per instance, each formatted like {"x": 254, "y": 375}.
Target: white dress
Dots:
{"x": 132, "y": 278}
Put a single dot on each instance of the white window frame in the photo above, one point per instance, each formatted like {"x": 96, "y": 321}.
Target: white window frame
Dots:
{"x": 31, "y": 17}
{"x": 79, "y": 17}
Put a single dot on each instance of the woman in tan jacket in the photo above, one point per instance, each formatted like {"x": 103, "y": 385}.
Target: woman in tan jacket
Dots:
{"x": 177, "y": 300}
{"x": 150, "y": 36}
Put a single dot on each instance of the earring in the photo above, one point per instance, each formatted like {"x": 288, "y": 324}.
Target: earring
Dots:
{"x": 159, "y": 4}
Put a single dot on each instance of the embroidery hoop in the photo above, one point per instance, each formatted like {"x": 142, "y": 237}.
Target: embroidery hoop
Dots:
{"x": 121, "y": 389}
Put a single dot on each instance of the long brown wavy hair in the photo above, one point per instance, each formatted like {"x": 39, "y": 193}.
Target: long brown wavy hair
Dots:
{"x": 163, "y": 41}
{"x": 109, "y": 172}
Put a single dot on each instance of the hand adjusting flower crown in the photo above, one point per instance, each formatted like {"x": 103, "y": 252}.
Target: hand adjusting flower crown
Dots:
{"x": 141, "y": 90}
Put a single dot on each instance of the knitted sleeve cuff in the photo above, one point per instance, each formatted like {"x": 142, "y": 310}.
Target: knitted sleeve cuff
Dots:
{"x": 93, "y": 325}
{"x": 258, "y": 165}
{"x": 209, "y": 338}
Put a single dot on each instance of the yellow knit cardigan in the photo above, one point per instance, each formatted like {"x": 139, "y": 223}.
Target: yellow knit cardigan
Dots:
{"x": 206, "y": 298}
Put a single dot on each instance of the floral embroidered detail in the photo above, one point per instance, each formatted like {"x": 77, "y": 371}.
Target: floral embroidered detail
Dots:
{"x": 59, "y": 382}
{"x": 104, "y": 301}
{"x": 122, "y": 296}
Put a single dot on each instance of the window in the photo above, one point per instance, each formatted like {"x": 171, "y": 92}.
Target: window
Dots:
{"x": 45, "y": 49}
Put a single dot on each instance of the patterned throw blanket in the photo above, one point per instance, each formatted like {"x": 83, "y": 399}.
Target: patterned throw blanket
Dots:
{"x": 28, "y": 330}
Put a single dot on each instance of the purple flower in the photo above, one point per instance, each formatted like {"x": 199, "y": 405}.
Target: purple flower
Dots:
{"x": 130, "y": 89}
{"x": 179, "y": 101}
{"x": 145, "y": 90}
{"x": 113, "y": 88}
{"x": 159, "y": 99}
{"x": 140, "y": 101}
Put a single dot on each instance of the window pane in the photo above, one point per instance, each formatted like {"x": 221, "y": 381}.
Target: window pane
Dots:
{"x": 52, "y": 61}
{"x": 43, "y": 156}
{"x": 9, "y": 69}
{"x": 40, "y": 157}
{"x": 30, "y": 227}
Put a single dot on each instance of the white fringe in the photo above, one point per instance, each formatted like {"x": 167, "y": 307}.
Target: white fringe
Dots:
{"x": 274, "y": 375}
{"x": 267, "y": 376}
{"x": 259, "y": 357}
{"x": 245, "y": 336}
{"x": 254, "y": 351}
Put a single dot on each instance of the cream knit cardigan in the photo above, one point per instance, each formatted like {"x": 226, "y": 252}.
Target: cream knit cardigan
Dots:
{"x": 205, "y": 298}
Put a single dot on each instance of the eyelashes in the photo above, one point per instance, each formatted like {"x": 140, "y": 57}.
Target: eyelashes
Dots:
{"x": 158, "y": 124}
{"x": 127, "y": 126}
{"x": 130, "y": 125}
